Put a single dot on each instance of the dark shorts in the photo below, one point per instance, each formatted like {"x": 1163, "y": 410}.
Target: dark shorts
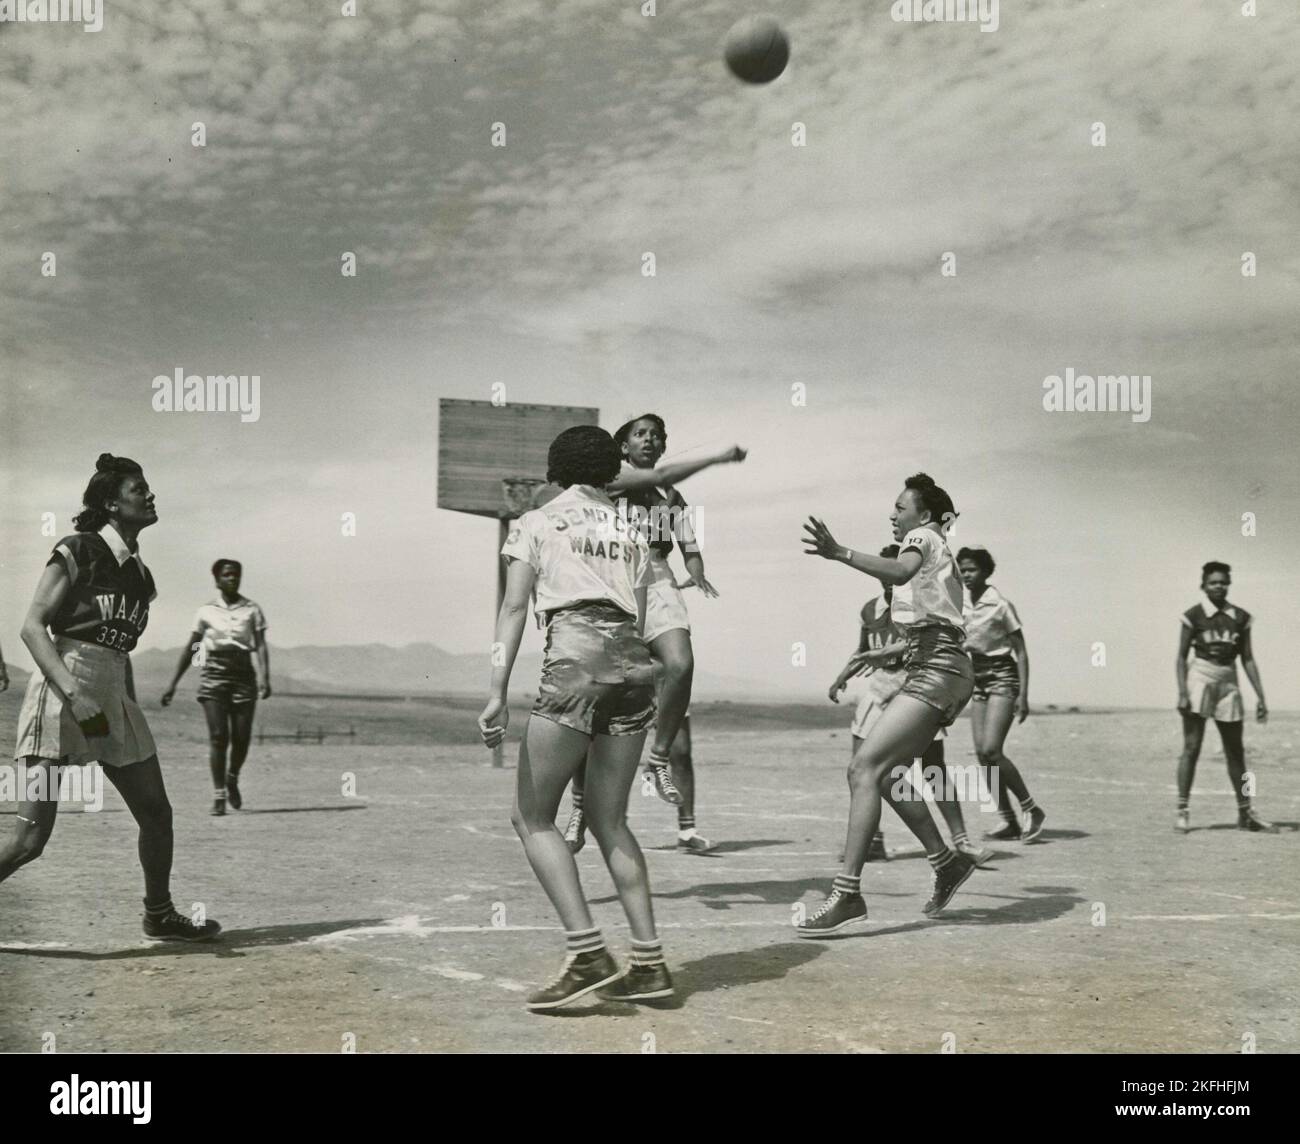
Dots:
{"x": 228, "y": 678}
{"x": 938, "y": 670}
{"x": 995, "y": 675}
{"x": 597, "y": 674}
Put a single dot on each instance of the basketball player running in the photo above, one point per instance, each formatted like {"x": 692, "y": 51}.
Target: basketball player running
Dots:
{"x": 226, "y": 633}
{"x": 1217, "y": 632}
{"x": 926, "y": 606}
{"x": 80, "y": 706}
{"x": 588, "y": 570}
{"x": 880, "y": 654}
{"x": 996, "y": 643}
{"x": 645, "y": 490}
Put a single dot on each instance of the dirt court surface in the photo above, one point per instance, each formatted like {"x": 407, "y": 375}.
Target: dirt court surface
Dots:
{"x": 407, "y": 918}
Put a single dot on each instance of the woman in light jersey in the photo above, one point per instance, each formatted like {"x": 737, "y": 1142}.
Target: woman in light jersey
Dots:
{"x": 586, "y": 571}
{"x": 998, "y": 653}
{"x": 645, "y": 490}
{"x": 1217, "y": 633}
{"x": 225, "y": 635}
{"x": 90, "y": 608}
{"x": 880, "y": 653}
{"x": 927, "y": 608}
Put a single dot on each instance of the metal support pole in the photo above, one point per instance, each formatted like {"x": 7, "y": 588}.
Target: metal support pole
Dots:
{"x": 503, "y": 530}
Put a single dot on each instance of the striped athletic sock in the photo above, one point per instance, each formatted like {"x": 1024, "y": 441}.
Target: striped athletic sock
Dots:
{"x": 583, "y": 941}
{"x": 1008, "y": 817}
{"x": 685, "y": 823}
{"x": 647, "y": 953}
{"x": 941, "y": 859}
{"x": 576, "y": 800}
{"x": 846, "y": 884}
{"x": 161, "y": 910}
{"x": 960, "y": 839}
{"x": 1028, "y": 804}
{"x": 658, "y": 760}
{"x": 219, "y": 793}
{"x": 1243, "y": 804}
{"x": 1184, "y": 801}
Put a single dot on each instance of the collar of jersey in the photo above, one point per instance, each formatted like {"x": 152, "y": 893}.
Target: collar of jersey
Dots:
{"x": 1211, "y": 611}
{"x": 220, "y": 602}
{"x": 587, "y": 492}
{"x": 990, "y": 594}
{"x": 117, "y": 546}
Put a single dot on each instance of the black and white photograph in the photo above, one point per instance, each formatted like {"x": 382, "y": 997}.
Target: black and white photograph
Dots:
{"x": 651, "y": 527}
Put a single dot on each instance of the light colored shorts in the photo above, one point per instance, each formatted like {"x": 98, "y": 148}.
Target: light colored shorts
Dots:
{"x": 665, "y": 607}
{"x": 939, "y": 670}
{"x": 1213, "y": 690}
{"x": 597, "y": 675}
{"x": 995, "y": 675}
{"x": 880, "y": 687}
{"x": 48, "y": 730}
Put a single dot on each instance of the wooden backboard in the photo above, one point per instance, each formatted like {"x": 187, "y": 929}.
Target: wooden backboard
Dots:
{"x": 481, "y": 445}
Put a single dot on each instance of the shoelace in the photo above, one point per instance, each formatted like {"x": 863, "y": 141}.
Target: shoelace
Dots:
{"x": 174, "y": 917}
{"x": 827, "y": 905}
{"x": 569, "y": 959}
{"x": 664, "y": 779}
{"x": 575, "y": 823}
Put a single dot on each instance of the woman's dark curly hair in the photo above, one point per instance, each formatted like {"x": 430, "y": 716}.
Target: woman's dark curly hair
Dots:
{"x": 220, "y": 564}
{"x": 624, "y": 431}
{"x": 1211, "y": 566}
{"x": 583, "y": 455}
{"x": 932, "y": 497}
{"x": 110, "y": 473}
{"x": 982, "y": 558}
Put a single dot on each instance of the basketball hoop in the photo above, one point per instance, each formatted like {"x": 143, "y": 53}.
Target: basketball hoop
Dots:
{"x": 518, "y": 493}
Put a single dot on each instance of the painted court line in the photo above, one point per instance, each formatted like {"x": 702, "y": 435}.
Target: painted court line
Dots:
{"x": 1210, "y": 917}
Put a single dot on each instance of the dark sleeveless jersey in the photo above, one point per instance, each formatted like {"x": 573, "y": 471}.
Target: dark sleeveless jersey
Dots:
{"x": 880, "y": 631}
{"x": 1217, "y": 632}
{"x": 662, "y": 517}
{"x": 107, "y": 602}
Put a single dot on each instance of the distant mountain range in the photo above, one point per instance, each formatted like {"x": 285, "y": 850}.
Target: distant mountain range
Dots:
{"x": 378, "y": 669}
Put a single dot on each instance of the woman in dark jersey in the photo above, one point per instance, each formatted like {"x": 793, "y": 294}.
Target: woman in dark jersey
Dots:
{"x": 225, "y": 635}
{"x": 90, "y": 608}
{"x": 1218, "y": 632}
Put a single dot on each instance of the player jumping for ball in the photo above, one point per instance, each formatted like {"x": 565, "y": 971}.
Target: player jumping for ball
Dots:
{"x": 588, "y": 570}
{"x": 880, "y": 652}
{"x": 646, "y": 490}
{"x": 996, "y": 642}
{"x": 1217, "y": 633}
{"x": 938, "y": 682}
{"x": 80, "y": 705}
{"x": 227, "y": 631}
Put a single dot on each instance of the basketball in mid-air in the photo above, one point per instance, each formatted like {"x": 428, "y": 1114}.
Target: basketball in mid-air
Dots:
{"x": 756, "y": 49}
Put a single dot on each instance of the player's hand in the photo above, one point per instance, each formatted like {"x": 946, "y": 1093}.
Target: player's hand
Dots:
{"x": 733, "y": 455}
{"x": 702, "y": 584}
{"x": 89, "y": 715}
{"x": 493, "y": 722}
{"x": 1261, "y": 712}
{"x": 1022, "y": 709}
{"x": 168, "y": 696}
{"x": 837, "y": 689}
{"x": 818, "y": 541}
{"x": 1184, "y": 702}
{"x": 264, "y": 692}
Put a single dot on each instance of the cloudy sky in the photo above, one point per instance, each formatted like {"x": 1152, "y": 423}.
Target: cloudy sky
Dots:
{"x": 775, "y": 265}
